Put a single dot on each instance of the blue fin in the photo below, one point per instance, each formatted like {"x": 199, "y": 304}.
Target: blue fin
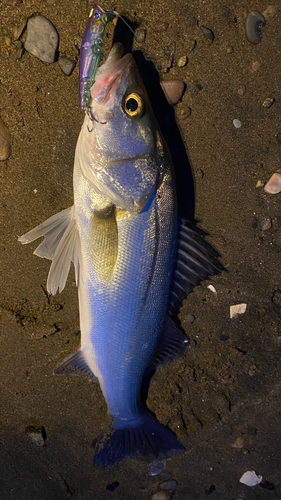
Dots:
{"x": 171, "y": 346}
{"x": 150, "y": 440}
{"x": 75, "y": 363}
{"x": 195, "y": 261}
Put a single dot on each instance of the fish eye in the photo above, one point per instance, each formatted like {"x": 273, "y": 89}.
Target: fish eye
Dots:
{"x": 134, "y": 105}
{"x": 96, "y": 15}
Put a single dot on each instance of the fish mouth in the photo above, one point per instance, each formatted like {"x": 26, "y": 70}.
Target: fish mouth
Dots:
{"x": 109, "y": 75}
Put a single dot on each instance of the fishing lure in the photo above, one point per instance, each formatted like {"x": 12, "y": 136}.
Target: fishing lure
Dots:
{"x": 91, "y": 49}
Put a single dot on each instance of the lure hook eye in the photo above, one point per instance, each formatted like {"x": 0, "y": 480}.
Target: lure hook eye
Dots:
{"x": 134, "y": 105}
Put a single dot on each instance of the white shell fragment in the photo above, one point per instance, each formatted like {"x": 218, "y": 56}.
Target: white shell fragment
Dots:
{"x": 273, "y": 186}
{"x": 250, "y": 478}
{"x": 237, "y": 123}
{"x": 237, "y": 309}
{"x": 212, "y": 288}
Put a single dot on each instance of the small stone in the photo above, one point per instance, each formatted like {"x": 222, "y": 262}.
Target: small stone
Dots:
{"x": 254, "y": 223}
{"x": 196, "y": 89}
{"x": 184, "y": 112}
{"x": 273, "y": 186}
{"x": 245, "y": 451}
{"x": 66, "y": 65}
{"x": 250, "y": 478}
{"x": 239, "y": 443}
{"x": 160, "y": 495}
{"x": 191, "y": 21}
{"x": 266, "y": 223}
{"x": 237, "y": 123}
{"x": 169, "y": 53}
{"x": 278, "y": 138}
{"x": 224, "y": 337}
{"x": 237, "y": 309}
{"x": 254, "y": 26}
{"x": 5, "y": 141}
{"x": 253, "y": 370}
{"x": 212, "y": 288}
{"x": 19, "y": 30}
{"x": 21, "y": 123}
{"x": 156, "y": 467}
{"x": 173, "y": 90}
{"x": 182, "y": 62}
{"x": 229, "y": 50}
{"x": 161, "y": 26}
{"x": 191, "y": 45}
{"x": 276, "y": 298}
{"x": 8, "y": 41}
{"x": 242, "y": 90}
{"x": 112, "y": 486}
{"x": 140, "y": 35}
{"x": 259, "y": 184}
{"x": 189, "y": 318}
{"x": 270, "y": 11}
{"x": 19, "y": 53}
{"x": 199, "y": 174}
{"x": 42, "y": 39}
{"x": 207, "y": 33}
{"x": 268, "y": 102}
{"x": 36, "y": 434}
{"x": 18, "y": 44}
{"x": 255, "y": 66}
{"x": 168, "y": 485}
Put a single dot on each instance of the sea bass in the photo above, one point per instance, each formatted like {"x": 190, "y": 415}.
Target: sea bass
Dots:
{"x": 134, "y": 260}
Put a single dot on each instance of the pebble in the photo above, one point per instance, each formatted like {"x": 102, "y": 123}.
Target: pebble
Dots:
{"x": 8, "y": 41}
{"x": 242, "y": 90}
{"x": 237, "y": 309}
{"x": 160, "y": 495}
{"x": 254, "y": 25}
{"x": 184, "y": 112}
{"x": 161, "y": 26}
{"x": 229, "y": 50}
{"x": 173, "y": 90}
{"x": 270, "y": 11}
{"x": 66, "y": 65}
{"x": 182, "y": 62}
{"x": 196, "y": 89}
{"x": 199, "y": 174}
{"x": 189, "y": 318}
{"x": 140, "y": 35}
{"x": 207, "y": 33}
{"x": 255, "y": 66}
{"x": 253, "y": 370}
{"x": 276, "y": 298}
{"x": 169, "y": 53}
{"x": 36, "y": 434}
{"x": 268, "y": 102}
{"x": 156, "y": 467}
{"x": 168, "y": 485}
{"x": 273, "y": 186}
{"x": 224, "y": 337}
{"x": 212, "y": 288}
{"x": 5, "y": 141}
{"x": 266, "y": 223}
{"x": 239, "y": 443}
{"x": 259, "y": 184}
{"x": 250, "y": 478}
{"x": 42, "y": 39}
{"x": 254, "y": 223}
{"x": 19, "y": 53}
{"x": 237, "y": 123}
{"x": 191, "y": 45}
{"x": 19, "y": 30}
{"x": 112, "y": 486}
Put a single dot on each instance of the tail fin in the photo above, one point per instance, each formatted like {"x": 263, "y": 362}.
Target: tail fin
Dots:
{"x": 150, "y": 440}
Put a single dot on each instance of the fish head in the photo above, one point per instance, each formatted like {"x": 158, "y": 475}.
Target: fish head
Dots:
{"x": 123, "y": 138}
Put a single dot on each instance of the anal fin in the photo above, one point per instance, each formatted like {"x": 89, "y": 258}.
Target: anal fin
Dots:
{"x": 75, "y": 363}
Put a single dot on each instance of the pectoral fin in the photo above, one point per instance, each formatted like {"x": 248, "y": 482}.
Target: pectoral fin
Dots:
{"x": 61, "y": 245}
{"x": 75, "y": 363}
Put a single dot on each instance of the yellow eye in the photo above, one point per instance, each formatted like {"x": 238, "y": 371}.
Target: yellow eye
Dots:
{"x": 134, "y": 105}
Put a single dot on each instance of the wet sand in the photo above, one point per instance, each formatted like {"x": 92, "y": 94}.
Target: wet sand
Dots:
{"x": 228, "y": 384}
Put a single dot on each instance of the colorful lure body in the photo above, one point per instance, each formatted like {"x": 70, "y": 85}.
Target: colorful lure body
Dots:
{"x": 91, "y": 49}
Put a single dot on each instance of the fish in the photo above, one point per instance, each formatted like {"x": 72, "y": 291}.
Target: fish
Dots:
{"x": 135, "y": 259}
{"x": 91, "y": 49}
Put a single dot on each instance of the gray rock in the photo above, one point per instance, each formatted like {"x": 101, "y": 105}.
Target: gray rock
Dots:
{"x": 189, "y": 318}
{"x": 156, "y": 467}
{"x": 254, "y": 25}
{"x": 5, "y": 141}
{"x": 169, "y": 53}
{"x": 140, "y": 35}
{"x": 36, "y": 434}
{"x": 168, "y": 485}
{"x": 42, "y": 39}
{"x": 208, "y": 33}
{"x": 67, "y": 65}
{"x": 266, "y": 223}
